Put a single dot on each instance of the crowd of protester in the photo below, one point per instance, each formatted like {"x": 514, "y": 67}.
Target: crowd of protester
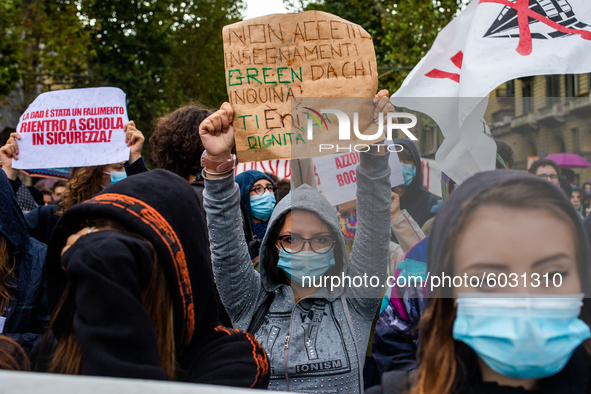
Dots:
{"x": 190, "y": 273}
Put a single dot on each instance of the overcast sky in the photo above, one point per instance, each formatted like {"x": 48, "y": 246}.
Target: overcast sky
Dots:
{"x": 263, "y": 7}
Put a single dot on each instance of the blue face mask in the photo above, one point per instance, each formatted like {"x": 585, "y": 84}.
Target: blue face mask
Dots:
{"x": 409, "y": 172}
{"x": 116, "y": 176}
{"x": 305, "y": 263}
{"x": 262, "y": 205}
{"x": 523, "y": 338}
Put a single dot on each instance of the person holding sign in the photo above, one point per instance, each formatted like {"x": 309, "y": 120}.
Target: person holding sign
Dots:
{"x": 83, "y": 184}
{"x": 315, "y": 335}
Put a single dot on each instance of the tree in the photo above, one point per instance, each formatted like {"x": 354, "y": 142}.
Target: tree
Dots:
{"x": 198, "y": 57}
{"x": 402, "y": 30}
{"x": 44, "y": 39}
{"x": 10, "y": 42}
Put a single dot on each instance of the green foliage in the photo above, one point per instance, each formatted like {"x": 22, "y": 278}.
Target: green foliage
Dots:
{"x": 162, "y": 53}
{"x": 402, "y": 30}
{"x": 10, "y": 43}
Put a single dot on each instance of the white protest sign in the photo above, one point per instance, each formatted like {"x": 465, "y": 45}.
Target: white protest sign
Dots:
{"x": 338, "y": 175}
{"x": 73, "y": 128}
{"x": 2, "y": 321}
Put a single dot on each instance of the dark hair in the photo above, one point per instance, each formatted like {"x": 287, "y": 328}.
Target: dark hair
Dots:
{"x": 45, "y": 191}
{"x": 568, "y": 174}
{"x": 58, "y": 184}
{"x": 283, "y": 188}
{"x": 36, "y": 194}
{"x": 543, "y": 163}
{"x": 12, "y": 356}
{"x": 405, "y": 155}
{"x": 176, "y": 145}
{"x": 273, "y": 177}
{"x": 506, "y": 152}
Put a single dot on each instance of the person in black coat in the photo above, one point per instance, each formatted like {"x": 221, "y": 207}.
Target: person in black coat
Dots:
{"x": 132, "y": 295}
{"x": 417, "y": 200}
{"x": 23, "y": 299}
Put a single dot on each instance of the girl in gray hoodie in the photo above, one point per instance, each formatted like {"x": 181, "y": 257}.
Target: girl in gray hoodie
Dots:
{"x": 315, "y": 336}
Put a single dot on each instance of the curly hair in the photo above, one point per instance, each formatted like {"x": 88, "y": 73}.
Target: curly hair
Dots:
{"x": 176, "y": 145}
{"x": 83, "y": 184}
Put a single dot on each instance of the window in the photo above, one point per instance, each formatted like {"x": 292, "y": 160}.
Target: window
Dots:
{"x": 527, "y": 93}
{"x": 552, "y": 89}
{"x": 510, "y": 88}
{"x": 571, "y": 85}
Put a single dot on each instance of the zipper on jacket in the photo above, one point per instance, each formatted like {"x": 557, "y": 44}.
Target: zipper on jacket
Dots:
{"x": 287, "y": 351}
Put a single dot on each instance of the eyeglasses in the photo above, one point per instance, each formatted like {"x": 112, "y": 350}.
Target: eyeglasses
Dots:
{"x": 294, "y": 244}
{"x": 261, "y": 189}
{"x": 552, "y": 177}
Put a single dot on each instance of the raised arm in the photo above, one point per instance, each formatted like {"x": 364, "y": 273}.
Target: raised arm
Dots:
{"x": 370, "y": 248}
{"x": 238, "y": 283}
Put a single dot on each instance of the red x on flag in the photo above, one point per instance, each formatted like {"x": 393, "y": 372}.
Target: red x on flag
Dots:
{"x": 524, "y": 13}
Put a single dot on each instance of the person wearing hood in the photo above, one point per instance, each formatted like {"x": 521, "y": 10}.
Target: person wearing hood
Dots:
{"x": 315, "y": 335}
{"x": 488, "y": 335}
{"x": 257, "y": 194}
{"x": 23, "y": 301}
{"x": 83, "y": 182}
{"x": 132, "y": 295}
{"x": 576, "y": 198}
{"x": 417, "y": 200}
{"x": 586, "y": 197}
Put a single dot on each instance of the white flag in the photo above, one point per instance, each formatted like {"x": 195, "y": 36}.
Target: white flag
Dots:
{"x": 489, "y": 43}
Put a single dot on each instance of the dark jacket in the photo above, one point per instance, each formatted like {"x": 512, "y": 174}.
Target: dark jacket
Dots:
{"x": 417, "y": 200}
{"x": 114, "y": 329}
{"x": 42, "y": 220}
{"x": 573, "y": 379}
{"x": 27, "y": 314}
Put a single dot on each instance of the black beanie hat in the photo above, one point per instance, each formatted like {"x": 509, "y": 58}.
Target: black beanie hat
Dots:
{"x": 162, "y": 208}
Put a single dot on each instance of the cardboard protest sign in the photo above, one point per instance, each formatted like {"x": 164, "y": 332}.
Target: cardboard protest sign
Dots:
{"x": 338, "y": 175}
{"x": 275, "y": 58}
{"x": 73, "y": 128}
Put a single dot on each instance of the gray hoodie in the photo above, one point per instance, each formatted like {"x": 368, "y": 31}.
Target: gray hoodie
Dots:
{"x": 318, "y": 345}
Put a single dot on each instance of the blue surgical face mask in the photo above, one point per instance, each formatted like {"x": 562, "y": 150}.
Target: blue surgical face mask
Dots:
{"x": 262, "y": 205}
{"x": 305, "y": 263}
{"x": 523, "y": 338}
{"x": 409, "y": 172}
{"x": 116, "y": 176}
